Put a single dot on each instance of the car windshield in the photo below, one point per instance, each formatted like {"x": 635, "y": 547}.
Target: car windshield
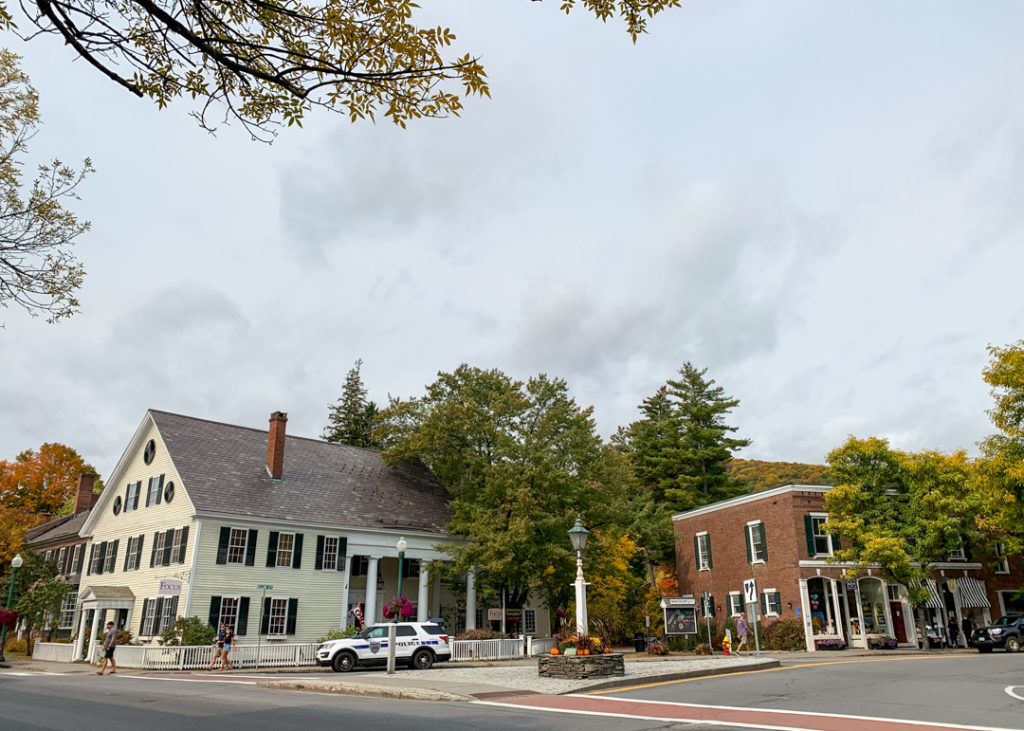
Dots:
{"x": 1006, "y": 620}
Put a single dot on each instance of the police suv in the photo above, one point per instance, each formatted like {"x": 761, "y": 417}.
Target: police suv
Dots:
{"x": 417, "y": 644}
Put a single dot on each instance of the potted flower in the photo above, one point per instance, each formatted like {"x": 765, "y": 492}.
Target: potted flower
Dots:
{"x": 400, "y": 609}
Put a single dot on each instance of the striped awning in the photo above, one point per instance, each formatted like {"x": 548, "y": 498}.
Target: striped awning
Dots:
{"x": 934, "y": 597}
{"x": 972, "y": 593}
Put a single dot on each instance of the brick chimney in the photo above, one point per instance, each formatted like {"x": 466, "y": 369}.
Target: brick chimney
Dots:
{"x": 275, "y": 444}
{"x": 83, "y": 495}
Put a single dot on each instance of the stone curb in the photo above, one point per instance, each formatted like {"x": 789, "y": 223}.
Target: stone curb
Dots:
{"x": 370, "y": 691}
{"x": 679, "y": 675}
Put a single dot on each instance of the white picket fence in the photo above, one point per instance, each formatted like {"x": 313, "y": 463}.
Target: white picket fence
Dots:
{"x": 190, "y": 657}
{"x": 466, "y": 650}
{"x": 539, "y": 645}
{"x": 53, "y": 651}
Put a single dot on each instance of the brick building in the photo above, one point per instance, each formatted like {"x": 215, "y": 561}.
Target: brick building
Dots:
{"x": 777, "y": 538}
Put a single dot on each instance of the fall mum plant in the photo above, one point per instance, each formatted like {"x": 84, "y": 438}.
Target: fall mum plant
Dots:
{"x": 401, "y": 609}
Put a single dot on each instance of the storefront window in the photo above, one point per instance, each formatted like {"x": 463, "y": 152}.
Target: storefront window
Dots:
{"x": 872, "y": 604}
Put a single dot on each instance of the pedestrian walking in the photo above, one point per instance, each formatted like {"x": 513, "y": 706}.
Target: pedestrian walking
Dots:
{"x": 109, "y": 645}
{"x": 741, "y": 632}
{"x": 218, "y": 648}
{"x": 954, "y": 632}
{"x": 226, "y": 643}
{"x": 968, "y": 627}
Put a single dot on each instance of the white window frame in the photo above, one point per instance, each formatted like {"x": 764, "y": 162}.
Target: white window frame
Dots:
{"x": 131, "y": 496}
{"x": 166, "y": 619}
{"x": 958, "y": 554}
{"x": 768, "y": 602}
{"x": 109, "y": 559}
{"x": 68, "y": 605}
{"x": 228, "y": 613}
{"x": 823, "y": 517}
{"x": 150, "y": 618}
{"x": 62, "y": 557}
{"x": 703, "y": 549}
{"x": 154, "y": 490}
{"x": 159, "y": 544}
{"x": 240, "y": 549}
{"x": 1002, "y": 561}
{"x": 530, "y": 621}
{"x": 133, "y": 553}
{"x": 178, "y": 549}
{"x": 734, "y": 602}
{"x": 280, "y": 562}
{"x": 282, "y": 618}
{"x": 79, "y": 547}
{"x": 329, "y": 560}
{"x": 750, "y": 541}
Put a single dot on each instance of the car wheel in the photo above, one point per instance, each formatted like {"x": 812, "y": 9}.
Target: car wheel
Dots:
{"x": 1013, "y": 644}
{"x": 984, "y": 649}
{"x": 343, "y": 662}
{"x": 422, "y": 660}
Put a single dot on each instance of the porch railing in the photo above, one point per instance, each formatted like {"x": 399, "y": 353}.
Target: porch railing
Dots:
{"x": 465, "y": 650}
{"x": 191, "y": 657}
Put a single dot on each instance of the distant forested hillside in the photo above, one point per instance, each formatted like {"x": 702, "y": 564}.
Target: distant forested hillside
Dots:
{"x": 760, "y": 475}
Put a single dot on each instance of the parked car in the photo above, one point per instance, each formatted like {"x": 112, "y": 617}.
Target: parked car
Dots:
{"x": 1005, "y": 632}
{"x": 417, "y": 644}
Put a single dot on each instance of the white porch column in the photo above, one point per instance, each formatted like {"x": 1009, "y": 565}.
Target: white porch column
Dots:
{"x": 81, "y": 636}
{"x": 128, "y": 618}
{"x": 423, "y": 592}
{"x": 95, "y": 627}
{"x": 371, "y": 590}
{"x": 838, "y": 619}
{"x": 344, "y": 592}
{"x": 471, "y": 599}
{"x": 805, "y": 603}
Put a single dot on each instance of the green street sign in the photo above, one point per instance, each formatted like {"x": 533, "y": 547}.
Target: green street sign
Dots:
{"x": 264, "y": 586}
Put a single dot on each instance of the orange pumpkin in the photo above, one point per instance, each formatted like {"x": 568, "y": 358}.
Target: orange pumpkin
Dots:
{"x": 555, "y": 651}
{"x": 607, "y": 651}
{"x": 585, "y": 652}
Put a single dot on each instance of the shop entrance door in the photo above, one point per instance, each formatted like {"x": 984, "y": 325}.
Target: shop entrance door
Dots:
{"x": 898, "y": 625}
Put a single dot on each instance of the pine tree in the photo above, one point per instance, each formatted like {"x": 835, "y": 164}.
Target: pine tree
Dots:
{"x": 352, "y": 417}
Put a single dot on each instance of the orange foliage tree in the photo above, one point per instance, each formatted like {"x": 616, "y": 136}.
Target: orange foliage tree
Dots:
{"x": 43, "y": 480}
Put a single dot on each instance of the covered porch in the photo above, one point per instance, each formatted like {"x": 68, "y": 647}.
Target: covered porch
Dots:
{"x": 94, "y": 604}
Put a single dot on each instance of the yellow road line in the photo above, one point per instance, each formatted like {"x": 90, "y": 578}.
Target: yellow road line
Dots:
{"x": 768, "y": 670}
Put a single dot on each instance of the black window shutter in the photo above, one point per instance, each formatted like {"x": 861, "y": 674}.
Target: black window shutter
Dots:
{"x": 101, "y": 558}
{"x": 138, "y": 551}
{"x": 69, "y": 557}
{"x": 342, "y": 547}
{"x": 113, "y": 557}
{"x": 696, "y": 552}
{"x": 159, "y": 488}
{"x": 265, "y": 621}
{"x": 272, "y": 550}
{"x": 92, "y": 555}
{"x": 809, "y": 532}
{"x": 711, "y": 564}
{"x": 746, "y": 540}
{"x": 293, "y": 610}
{"x": 214, "y": 611}
{"x": 222, "y": 546}
{"x": 174, "y": 610}
{"x": 297, "y": 552}
{"x": 242, "y": 623}
{"x": 142, "y": 622}
{"x": 81, "y": 560}
{"x": 180, "y": 558}
{"x": 158, "y": 615}
{"x": 319, "y": 553}
{"x": 835, "y": 542}
{"x": 128, "y": 552}
{"x": 711, "y": 603}
{"x": 250, "y": 551}
{"x": 152, "y": 552}
{"x": 149, "y": 490}
{"x": 764, "y": 604}
{"x": 168, "y": 547}
{"x": 764, "y": 541}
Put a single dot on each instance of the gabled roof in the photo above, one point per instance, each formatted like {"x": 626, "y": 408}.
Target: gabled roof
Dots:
{"x": 223, "y": 470}
{"x": 57, "y": 530}
{"x": 750, "y": 498}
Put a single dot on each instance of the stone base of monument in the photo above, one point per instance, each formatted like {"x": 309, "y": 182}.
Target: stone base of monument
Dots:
{"x": 581, "y": 667}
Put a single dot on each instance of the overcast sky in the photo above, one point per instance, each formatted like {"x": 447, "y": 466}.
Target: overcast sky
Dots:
{"x": 819, "y": 202}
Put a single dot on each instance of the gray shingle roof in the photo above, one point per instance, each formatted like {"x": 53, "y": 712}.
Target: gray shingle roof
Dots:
{"x": 61, "y": 529}
{"x": 223, "y": 468}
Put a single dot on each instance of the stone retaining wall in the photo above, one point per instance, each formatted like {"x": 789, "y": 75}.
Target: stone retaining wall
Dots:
{"x": 581, "y": 667}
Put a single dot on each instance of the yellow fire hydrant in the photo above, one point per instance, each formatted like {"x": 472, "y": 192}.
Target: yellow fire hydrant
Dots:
{"x": 726, "y": 644}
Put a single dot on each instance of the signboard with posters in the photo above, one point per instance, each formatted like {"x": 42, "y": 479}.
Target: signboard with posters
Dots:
{"x": 680, "y": 614}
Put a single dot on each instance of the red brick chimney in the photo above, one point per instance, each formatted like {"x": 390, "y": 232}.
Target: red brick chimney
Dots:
{"x": 275, "y": 444}
{"x": 83, "y": 496}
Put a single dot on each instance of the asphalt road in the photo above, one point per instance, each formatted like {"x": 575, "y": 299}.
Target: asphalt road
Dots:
{"x": 836, "y": 694}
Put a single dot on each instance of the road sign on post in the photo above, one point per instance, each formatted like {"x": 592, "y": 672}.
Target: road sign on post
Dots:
{"x": 706, "y": 609}
{"x": 750, "y": 597}
{"x": 749, "y": 591}
{"x": 259, "y": 633}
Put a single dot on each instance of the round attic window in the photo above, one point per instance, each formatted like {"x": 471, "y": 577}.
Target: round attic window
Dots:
{"x": 168, "y": 492}
{"x": 147, "y": 454}
{"x": 117, "y": 505}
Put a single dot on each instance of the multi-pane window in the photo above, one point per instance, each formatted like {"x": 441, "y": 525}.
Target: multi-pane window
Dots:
{"x": 179, "y": 545}
{"x": 330, "y": 558}
{"x": 62, "y": 558}
{"x": 757, "y": 545}
{"x": 360, "y": 565}
{"x": 158, "y": 613}
{"x": 229, "y": 611}
{"x": 771, "y": 603}
{"x": 530, "y": 621}
{"x": 155, "y": 490}
{"x": 703, "y": 543}
{"x": 1001, "y": 564}
{"x": 237, "y": 544}
{"x": 167, "y": 612}
{"x": 111, "y": 555}
{"x": 149, "y": 618}
{"x": 285, "y": 546}
{"x": 822, "y": 539}
{"x": 76, "y": 560}
{"x": 958, "y": 553}
{"x": 67, "y": 609}
{"x": 278, "y": 617}
{"x": 159, "y": 544}
{"x": 132, "y": 559}
{"x": 735, "y": 603}
{"x": 131, "y": 497}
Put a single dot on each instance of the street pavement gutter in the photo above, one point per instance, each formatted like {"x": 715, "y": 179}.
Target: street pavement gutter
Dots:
{"x": 317, "y": 685}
